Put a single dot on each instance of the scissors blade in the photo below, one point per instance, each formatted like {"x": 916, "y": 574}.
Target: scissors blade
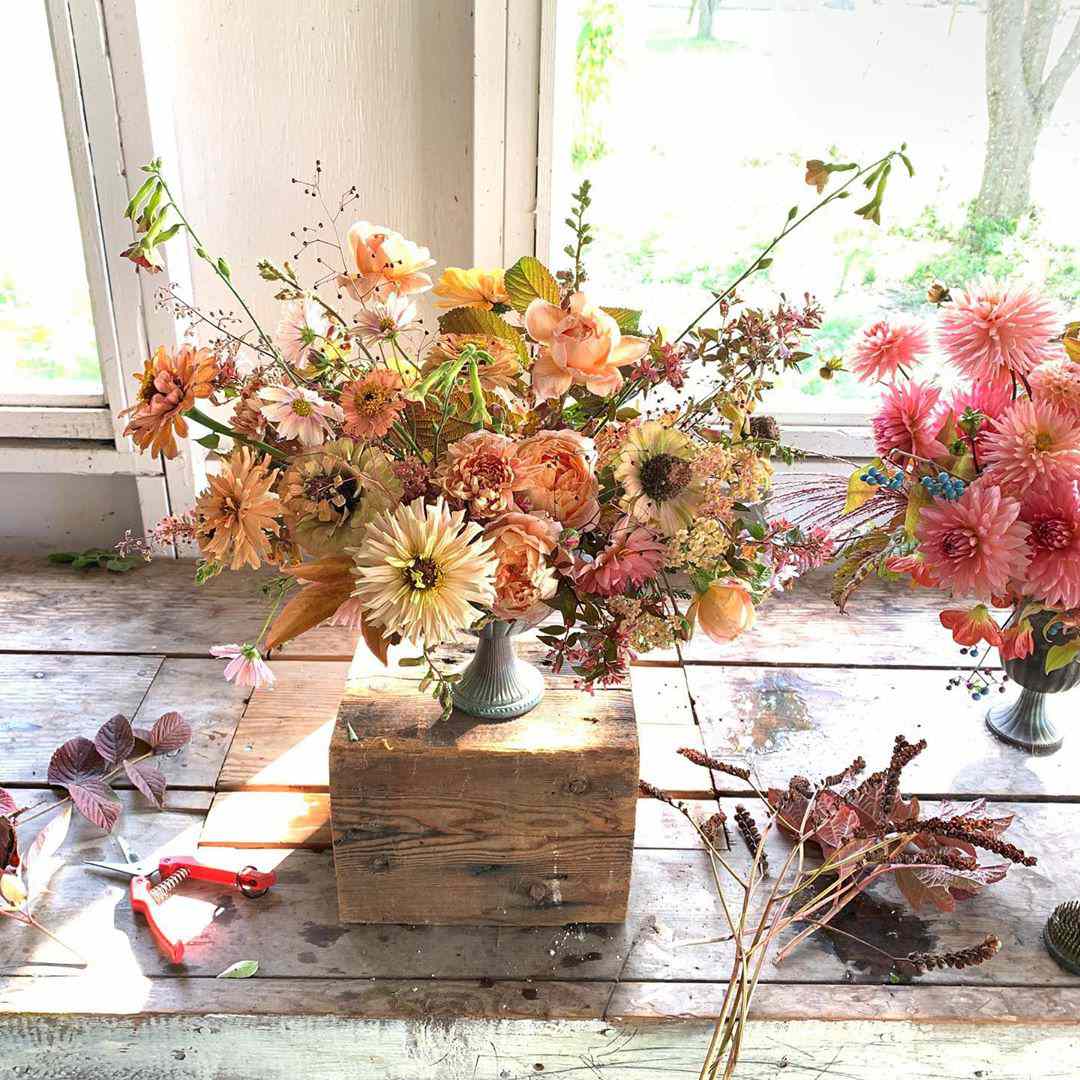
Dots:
{"x": 126, "y": 869}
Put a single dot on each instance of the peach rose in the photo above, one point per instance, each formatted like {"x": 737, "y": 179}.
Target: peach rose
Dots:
{"x": 479, "y": 472}
{"x": 555, "y": 470}
{"x": 725, "y": 610}
{"x": 384, "y": 261}
{"x": 522, "y": 542}
{"x": 581, "y": 345}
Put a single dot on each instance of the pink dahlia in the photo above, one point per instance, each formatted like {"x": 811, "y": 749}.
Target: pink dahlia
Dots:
{"x": 1053, "y": 513}
{"x": 909, "y": 420}
{"x": 997, "y": 332}
{"x": 974, "y": 545}
{"x": 1033, "y": 442}
{"x": 1057, "y": 383}
{"x": 885, "y": 348}
{"x": 634, "y": 556}
{"x": 992, "y": 399}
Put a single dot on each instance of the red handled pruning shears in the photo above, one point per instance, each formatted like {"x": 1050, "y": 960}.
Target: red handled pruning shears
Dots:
{"x": 153, "y": 882}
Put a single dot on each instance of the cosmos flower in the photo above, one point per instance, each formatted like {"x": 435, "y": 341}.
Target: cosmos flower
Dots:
{"x": 385, "y": 319}
{"x": 246, "y": 667}
{"x": 997, "y": 332}
{"x": 975, "y": 545}
{"x": 471, "y": 288}
{"x": 371, "y": 404}
{"x": 383, "y": 261}
{"x": 303, "y": 324}
{"x": 908, "y": 420}
{"x": 297, "y": 412}
{"x": 237, "y": 515}
{"x": 885, "y": 348}
{"x": 1032, "y": 442}
{"x": 1052, "y": 510}
{"x": 423, "y": 572}
{"x": 971, "y": 626}
{"x": 657, "y": 477}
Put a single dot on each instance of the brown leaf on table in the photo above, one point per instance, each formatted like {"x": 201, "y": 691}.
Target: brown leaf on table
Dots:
{"x": 9, "y": 845}
{"x": 75, "y": 762}
{"x": 7, "y": 802}
{"x": 942, "y": 886}
{"x": 170, "y": 732}
{"x": 148, "y": 779}
{"x": 115, "y": 740}
{"x": 95, "y": 801}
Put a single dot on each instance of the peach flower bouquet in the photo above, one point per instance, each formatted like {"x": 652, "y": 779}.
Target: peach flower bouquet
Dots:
{"x": 538, "y": 457}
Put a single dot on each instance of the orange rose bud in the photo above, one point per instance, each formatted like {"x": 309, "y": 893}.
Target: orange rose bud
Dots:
{"x": 724, "y": 610}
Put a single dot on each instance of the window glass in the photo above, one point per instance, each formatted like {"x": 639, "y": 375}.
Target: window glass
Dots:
{"x": 47, "y": 343}
{"x": 693, "y": 122}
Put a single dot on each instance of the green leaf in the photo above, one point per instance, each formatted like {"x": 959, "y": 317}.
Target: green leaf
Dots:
{"x": 137, "y": 199}
{"x": 529, "y": 279}
{"x": 469, "y": 320}
{"x": 168, "y": 233}
{"x": 1059, "y": 656}
{"x": 62, "y": 556}
{"x": 627, "y": 319}
{"x": 122, "y": 565}
{"x": 242, "y": 969}
{"x": 412, "y": 661}
{"x": 211, "y": 441}
{"x": 223, "y": 267}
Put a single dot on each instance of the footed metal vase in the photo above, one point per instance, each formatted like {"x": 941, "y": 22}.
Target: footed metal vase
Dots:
{"x": 497, "y": 685}
{"x": 1028, "y": 722}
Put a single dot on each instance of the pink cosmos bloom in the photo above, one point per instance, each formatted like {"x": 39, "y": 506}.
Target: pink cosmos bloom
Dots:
{"x": 299, "y": 413}
{"x": 303, "y": 324}
{"x": 971, "y": 626}
{"x": 633, "y": 556}
{"x": 1053, "y": 513}
{"x": 1032, "y": 442}
{"x": 581, "y": 345}
{"x": 976, "y": 544}
{"x": 245, "y": 667}
{"x": 386, "y": 319}
{"x": 1057, "y": 383}
{"x": 908, "y": 420}
{"x": 996, "y": 332}
{"x": 383, "y": 261}
{"x": 885, "y": 348}
{"x": 1018, "y": 641}
{"x": 989, "y": 398}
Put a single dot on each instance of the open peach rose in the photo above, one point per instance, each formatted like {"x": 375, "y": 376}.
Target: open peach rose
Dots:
{"x": 383, "y": 261}
{"x": 555, "y": 474}
{"x": 522, "y": 542}
{"x": 581, "y": 345}
{"x": 724, "y": 611}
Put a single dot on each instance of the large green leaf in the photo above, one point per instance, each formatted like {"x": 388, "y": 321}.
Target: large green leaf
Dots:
{"x": 471, "y": 320}
{"x": 628, "y": 319}
{"x": 1059, "y": 656}
{"x": 529, "y": 279}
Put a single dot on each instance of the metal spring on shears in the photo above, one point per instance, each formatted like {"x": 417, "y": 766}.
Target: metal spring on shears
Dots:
{"x": 165, "y": 888}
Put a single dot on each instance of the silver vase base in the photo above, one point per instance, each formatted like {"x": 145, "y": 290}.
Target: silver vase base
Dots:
{"x": 515, "y": 694}
{"x": 1024, "y": 723}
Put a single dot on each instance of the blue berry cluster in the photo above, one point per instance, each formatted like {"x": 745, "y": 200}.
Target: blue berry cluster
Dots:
{"x": 876, "y": 478}
{"x": 943, "y": 486}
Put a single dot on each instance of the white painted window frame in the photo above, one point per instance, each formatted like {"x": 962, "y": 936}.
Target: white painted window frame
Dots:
{"x": 524, "y": 58}
{"x": 110, "y": 131}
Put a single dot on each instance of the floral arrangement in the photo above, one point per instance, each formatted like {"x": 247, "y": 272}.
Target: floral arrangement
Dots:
{"x": 832, "y": 839}
{"x": 974, "y": 491}
{"x": 540, "y": 453}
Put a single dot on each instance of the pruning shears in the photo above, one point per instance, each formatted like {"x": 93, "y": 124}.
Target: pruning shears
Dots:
{"x": 154, "y": 881}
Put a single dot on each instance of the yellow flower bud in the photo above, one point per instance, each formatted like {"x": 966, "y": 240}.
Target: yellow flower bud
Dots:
{"x": 12, "y": 890}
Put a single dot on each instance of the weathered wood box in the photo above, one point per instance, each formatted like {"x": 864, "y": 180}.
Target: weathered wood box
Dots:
{"x": 526, "y": 822}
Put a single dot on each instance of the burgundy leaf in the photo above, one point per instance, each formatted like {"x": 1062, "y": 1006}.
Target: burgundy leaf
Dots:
{"x": 75, "y": 762}
{"x": 94, "y": 800}
{"x": 171, "y": 732}
{"x": 9, "y": 848}
{"x": 115, "y": 740}
{"x": 143, "y": 734}
{"x": 7, "y": 802}
{"x": 148, "y": 779}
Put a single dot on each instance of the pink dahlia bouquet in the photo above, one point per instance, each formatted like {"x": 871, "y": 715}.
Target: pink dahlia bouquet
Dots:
{"x": 539, "y": 457}
{"x": 977, "y": 491}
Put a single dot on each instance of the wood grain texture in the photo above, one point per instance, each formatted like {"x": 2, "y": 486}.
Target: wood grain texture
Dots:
{"x": 813, "y": 721}
{"x": 525, "y": 822}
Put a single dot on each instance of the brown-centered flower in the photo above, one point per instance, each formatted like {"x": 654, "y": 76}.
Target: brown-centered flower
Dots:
{"x": 372, "y": 404}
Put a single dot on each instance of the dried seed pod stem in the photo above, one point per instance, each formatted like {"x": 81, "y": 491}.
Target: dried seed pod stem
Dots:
{"x": 750, "y": 833}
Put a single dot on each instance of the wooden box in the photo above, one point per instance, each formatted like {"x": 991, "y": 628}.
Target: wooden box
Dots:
{"x": 526, "y": 822}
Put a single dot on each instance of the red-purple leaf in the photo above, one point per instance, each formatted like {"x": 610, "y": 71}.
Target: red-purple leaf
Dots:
{"x": 9, "y": 847}
{"x": 148, "y": 779}
{"x": 171, "y": 732}
{"x": 115, "y": 740}
{"x": 74, "y": 763}
{"x": 94, "y": 800}
{"x": 7, "y": 802}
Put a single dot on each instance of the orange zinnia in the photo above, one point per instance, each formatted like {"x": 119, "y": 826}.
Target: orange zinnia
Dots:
{"x": 168, "y": 386}
{"x": 372, "y": 404}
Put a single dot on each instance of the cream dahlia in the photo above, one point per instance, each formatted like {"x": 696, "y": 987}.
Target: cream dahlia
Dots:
{"x": 657, "y": 477}
{"x": 976, "y": 544}
{"x": 1053, "y": 513}
{"x": 997, "y": 332}
{"x": 299, "y": 413}
{"x": 908, "y": 420}
{"x": 884, "y": 349}
{"x": 423, "y": 572}
{"x": 1057, "y": 383}
{"x": 1032, "y": 442}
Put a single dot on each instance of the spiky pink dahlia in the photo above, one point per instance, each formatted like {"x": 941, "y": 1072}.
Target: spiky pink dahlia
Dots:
{"x": 1033, "y": 442}
{"x": 996, "y": 332}
{"x": 989, "y": 398}
{"x": 908, "y": 420}
{"x": 884, "y": 348}
{"x": 974, "y": 545}
{"x": 634, "y": 556}
{"x": 1057, "y": 383}
{"x": 1052, "y": 512}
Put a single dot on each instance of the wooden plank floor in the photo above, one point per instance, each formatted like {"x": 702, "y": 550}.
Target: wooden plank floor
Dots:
{"x": 808, "y": 687}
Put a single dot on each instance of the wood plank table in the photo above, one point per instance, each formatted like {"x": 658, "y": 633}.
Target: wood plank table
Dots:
{"x": 807, "y": 686}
